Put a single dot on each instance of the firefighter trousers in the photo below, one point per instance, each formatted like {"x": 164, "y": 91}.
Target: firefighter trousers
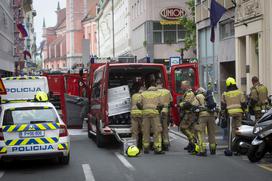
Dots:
{"x": 187, "y": 126}
{"x": 236, "y": 122}
{"x": 152, "y": 121}
{"x": 165, "y": 131}
{"x": 136, "y": 125}
{"x": 203, "y": 123}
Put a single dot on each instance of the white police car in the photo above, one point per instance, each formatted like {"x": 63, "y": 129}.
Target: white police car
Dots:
{"x": 33, "y": 130}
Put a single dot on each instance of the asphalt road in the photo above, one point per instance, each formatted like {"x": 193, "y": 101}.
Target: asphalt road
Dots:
{"x": 91, "y": 163}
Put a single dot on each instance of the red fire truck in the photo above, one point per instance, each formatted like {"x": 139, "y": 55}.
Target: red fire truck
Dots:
{"x": 96, "y": 85}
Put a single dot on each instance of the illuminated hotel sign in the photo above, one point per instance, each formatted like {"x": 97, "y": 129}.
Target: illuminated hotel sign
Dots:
{"x": 172, "y": 13}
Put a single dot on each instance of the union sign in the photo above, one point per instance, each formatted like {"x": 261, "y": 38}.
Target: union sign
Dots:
{"x": 172, "y": 13}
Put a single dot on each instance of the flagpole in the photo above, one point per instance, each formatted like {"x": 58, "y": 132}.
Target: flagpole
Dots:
{"x": 214, "y": 67}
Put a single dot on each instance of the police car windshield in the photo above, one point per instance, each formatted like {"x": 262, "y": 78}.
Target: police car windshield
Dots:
{"x": 29, "y": 115}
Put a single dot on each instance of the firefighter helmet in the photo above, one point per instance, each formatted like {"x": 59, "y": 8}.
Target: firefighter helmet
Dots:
{"x": 133, "y": 151}
{"x": 41, "y": 96}
{"x": 230, "y": 81}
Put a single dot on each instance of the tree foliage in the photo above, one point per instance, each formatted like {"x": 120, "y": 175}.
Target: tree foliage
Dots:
{"x": 188, "y": 22}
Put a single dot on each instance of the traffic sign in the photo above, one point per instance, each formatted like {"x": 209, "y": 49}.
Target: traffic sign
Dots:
{"x": 2, "y": 88}
{"x": 174, "y": 61}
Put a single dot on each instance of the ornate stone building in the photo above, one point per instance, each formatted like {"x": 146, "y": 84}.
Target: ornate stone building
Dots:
{"x": 253, "y": 39}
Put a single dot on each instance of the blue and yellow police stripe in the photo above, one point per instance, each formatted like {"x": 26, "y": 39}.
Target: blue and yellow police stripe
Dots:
{"x": 63, "y": 146}
{"x": 31, "y": 127}
{"x": 31, "y": 141}
{"x": 3, "y": 150}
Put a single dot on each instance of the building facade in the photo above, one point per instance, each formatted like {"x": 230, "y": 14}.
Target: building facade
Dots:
{"x": 54, "y": 48}
{"x": 30, "y": 40}
{"x": 156, "y": 31}
{"x": 113, "y": 26}
{"x": 7, "y": 60}
{"x": 90, "y": 28}
{"x": 216, "y": 60}
{"x": 253, "y": 37}
{"x": 137, "y": 29}
{"x": 13, "y": 34}
{"x": 76, "y": 10}
{"x": 62, "y": 49}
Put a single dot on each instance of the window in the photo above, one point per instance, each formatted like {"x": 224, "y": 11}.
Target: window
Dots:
{"x": 184, "y": 74}
{"x": 29, "y": 115}
{"x": 169, "y": 34}
{"x": 97, "y": 84}
{"x": 197, "y": 2}
{"x": 226, "y": 29}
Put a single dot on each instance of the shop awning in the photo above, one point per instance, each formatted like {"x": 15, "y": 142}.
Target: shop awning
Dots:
{"x": 22, "y": 30}
{"x": 169, "y": 22}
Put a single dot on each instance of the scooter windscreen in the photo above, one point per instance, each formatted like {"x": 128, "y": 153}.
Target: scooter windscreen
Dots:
{"x": 266, "y": 117}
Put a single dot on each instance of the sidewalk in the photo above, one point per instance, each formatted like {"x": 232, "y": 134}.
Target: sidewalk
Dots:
{"x": 221, "y": 142}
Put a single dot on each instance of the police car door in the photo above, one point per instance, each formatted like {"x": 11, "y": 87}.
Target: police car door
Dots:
{"x": 30, "y": 130}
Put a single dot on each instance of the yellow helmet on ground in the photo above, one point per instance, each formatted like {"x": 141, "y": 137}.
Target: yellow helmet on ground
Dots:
{"x": 230, "y": 81}
{"x": 41, "y": 96}
{"x": 133, "y": 151}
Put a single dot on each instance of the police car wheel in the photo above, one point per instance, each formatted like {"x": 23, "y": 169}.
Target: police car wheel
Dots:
{"x": 64, "y": 160}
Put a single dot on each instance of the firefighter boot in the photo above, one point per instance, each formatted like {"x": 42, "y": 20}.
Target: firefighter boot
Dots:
{"x": 204, "y": 153}
{"x": 213, "y": 149}
{"x": 165, "y": 147}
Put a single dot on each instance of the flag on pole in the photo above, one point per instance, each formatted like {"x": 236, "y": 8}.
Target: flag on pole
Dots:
{"x": 22, "y": 30}
{"x": 216, "y": 12}
{"x": 26, "y": 53}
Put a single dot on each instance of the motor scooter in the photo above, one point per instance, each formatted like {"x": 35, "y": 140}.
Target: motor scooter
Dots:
{"x": 262, "y": 142}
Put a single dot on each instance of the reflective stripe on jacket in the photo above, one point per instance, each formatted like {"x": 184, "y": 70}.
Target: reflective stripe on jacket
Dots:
{"x": 233, "y": 100}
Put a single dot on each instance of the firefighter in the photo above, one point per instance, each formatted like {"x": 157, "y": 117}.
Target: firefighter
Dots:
{"x": 166, "y": 99}
{"x": 136, "y": 114}
{"x": 150, "y": 103}
{"x": 258, "y": 98}
{"x": 206, "y": 120}
{"x": 188, "y": 117}
{"x": 234, "y": 101}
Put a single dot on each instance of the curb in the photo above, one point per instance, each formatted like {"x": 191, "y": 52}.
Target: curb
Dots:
{"x": 219, "y": 147}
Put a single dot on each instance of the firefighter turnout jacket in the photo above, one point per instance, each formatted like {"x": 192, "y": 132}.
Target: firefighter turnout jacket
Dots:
{"x": 136, "y": 98}
{"x": 165, "y": 98}
{"x": 150, "y": 101}
{"x": 203, "y": 109}
{"x": 259, "y": 97}
{"x": 234, "y": 100}
{"x": 189, "y": 99}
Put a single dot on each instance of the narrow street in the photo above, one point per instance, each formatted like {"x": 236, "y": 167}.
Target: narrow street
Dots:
{"x": 91, "y": 163}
